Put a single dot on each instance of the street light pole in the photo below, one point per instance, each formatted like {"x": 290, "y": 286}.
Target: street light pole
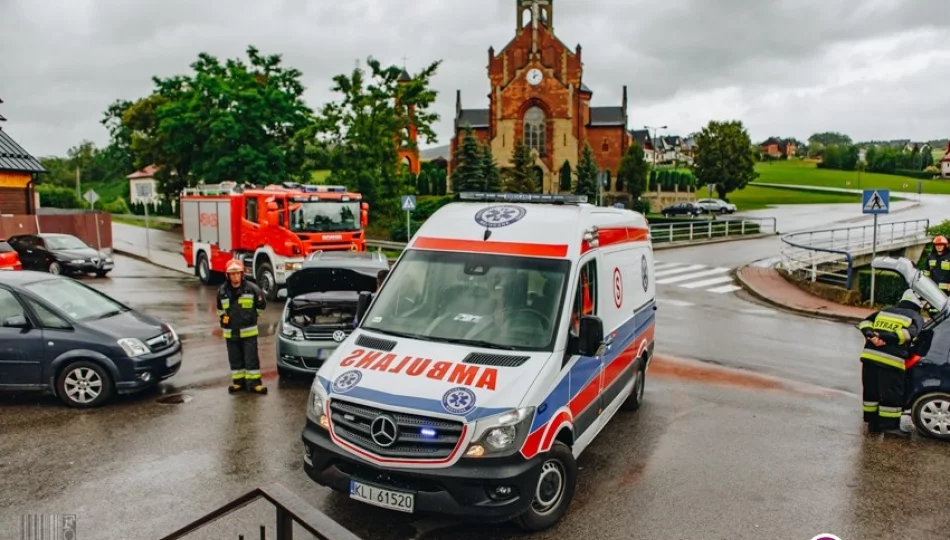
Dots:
{"x": 655, "y": 129}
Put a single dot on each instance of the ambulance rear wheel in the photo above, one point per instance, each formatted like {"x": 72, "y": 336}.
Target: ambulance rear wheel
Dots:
{"x": 554, "y": 491}
{"x": 266, "y": 281}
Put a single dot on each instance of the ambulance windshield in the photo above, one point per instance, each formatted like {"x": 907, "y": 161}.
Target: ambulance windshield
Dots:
{"x": 324, "y": 216}
{"x": 490, "y": 301}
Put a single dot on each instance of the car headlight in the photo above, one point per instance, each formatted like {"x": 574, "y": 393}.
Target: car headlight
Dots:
{"x": 290, "y": 331}
{"x": 170, "y": 330}
{"x": 500, "y": 435}
{"x": 133, "y": 347}
{"x": 316, "y": 405}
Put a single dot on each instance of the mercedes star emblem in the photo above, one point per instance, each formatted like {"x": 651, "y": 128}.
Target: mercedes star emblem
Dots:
{"x": 339, "y": 336}
{"x": 384, "y": 431}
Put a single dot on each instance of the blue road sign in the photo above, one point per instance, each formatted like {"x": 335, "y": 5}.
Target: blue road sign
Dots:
{"x": 408, "y": 203}
{"x": 876, "y": 201}
{"x": 619, "y": 205}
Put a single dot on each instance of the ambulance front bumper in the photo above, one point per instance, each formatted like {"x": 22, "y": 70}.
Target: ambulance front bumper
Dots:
{"x": 497, "y": 489}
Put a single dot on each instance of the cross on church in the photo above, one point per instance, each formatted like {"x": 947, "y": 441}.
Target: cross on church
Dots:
{"x": 535, "y": 6}
{"x": 405, "y": 61}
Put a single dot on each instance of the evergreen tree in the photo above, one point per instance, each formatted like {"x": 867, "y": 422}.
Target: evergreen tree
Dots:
{"x": 468, "y": 174}
{"x": 567, "y": 177}
{"x": 634, "y": 171}
{"x": 422, "y": 183}
{"x": 490, "y": 172}
{"x": 587, "y": 172}
{"x": 521, "y": 175}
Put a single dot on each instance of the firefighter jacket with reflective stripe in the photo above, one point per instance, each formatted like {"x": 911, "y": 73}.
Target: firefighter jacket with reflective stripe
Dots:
{"x": 898, "y": 327}
{"x": 938, "y": 269}
{"x": 239, "y": 308}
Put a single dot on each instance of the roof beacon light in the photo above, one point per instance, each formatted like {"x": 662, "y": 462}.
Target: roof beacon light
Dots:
{"x": 539, "y": 198}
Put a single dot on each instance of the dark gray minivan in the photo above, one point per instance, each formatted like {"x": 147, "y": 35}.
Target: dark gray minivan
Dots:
{"x": 59, "y": 335}
{"x": 320, "y": 313}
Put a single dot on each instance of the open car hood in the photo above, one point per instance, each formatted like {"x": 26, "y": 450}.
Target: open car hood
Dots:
{"x": 916, "y": 280}
{"x": 311, "y": 280}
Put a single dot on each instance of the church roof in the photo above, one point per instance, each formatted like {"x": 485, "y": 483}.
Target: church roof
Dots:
{"x": 607, "y": 116}
{"x": 478, "y": 118}
{"x": 642, "y": 137}
{"x": 14, "y": 158}
{"x": 585, "y": 88}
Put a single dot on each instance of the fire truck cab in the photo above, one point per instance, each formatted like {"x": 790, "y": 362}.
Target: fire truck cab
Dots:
{"x": 271, "y": 229}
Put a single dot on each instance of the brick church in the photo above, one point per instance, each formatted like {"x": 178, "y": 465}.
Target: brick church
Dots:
{"x": 538, "y": 95}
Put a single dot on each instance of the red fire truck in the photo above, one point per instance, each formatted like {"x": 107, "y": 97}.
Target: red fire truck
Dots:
{"x": 272, "y": 229}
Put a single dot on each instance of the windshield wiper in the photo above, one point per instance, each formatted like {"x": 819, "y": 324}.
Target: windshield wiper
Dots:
{"x": 393, "y": 333}
{"x": 108, "y": 314}
{"x": 476, "y": 343}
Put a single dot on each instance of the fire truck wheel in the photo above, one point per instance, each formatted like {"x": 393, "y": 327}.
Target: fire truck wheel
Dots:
{"x": 266, "y": 281}
{"x": 203, "y": 269}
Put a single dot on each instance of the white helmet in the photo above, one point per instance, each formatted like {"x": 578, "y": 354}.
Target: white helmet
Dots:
{"x": 911, "y": 296}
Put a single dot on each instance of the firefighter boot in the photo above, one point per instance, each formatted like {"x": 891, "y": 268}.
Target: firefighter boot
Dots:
{"x": 873, "y": 426}
{"x": 258, "y": 388}
{"x": 899, "y": 433}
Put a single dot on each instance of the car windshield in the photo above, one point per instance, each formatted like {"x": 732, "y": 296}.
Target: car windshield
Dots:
{"x": 64, "y": 242}
{"x": 5, "y": 247}
{"x": 489, "y": 301}
{"x": 324, "y": 216}
{"x": 80, "y": 302}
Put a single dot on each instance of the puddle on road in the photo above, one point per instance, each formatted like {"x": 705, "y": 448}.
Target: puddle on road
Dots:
{"x": 175, "y": 399}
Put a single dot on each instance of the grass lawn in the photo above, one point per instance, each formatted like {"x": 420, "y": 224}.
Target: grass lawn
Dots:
{"x": 807, "y": 173}
{"x": 755, "y": 198}
{"x": 151, "y": 224}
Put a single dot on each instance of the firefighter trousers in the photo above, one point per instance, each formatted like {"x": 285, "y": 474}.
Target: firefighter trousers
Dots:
{"x": 883, "y": 394}
{"x": 244, "y": 360}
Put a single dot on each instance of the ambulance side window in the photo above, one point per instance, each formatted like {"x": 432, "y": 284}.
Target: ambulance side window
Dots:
{"x": 585, "y": 296}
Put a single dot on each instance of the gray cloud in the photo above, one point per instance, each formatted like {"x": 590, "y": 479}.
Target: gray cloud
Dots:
{"x": 784, "y": 68}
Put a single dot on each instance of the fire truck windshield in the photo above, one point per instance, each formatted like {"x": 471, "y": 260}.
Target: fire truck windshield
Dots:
{"x": 324, "y": 216}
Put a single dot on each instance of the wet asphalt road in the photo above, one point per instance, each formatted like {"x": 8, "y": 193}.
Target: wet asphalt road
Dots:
{"x": 713, "y": 453}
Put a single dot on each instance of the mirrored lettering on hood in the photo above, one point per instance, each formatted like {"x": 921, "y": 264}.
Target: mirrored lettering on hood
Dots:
{"x": 415, "y": 366}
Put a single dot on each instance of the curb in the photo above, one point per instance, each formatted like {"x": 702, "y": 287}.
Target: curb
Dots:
{"x": 676, "y": 245}
{"x": 813, "y": 313}
{"x": 138, "y": 257}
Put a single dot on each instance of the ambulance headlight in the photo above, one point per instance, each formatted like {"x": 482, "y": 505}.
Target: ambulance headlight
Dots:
{"x": 316, "y": 405}
{"x": 502, "y": 434}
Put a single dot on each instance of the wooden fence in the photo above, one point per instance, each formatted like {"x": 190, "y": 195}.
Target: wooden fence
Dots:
{"x": 81, "y": 224}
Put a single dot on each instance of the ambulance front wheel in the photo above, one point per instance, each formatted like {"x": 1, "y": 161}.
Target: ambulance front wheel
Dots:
{"x": 554, "y": 491}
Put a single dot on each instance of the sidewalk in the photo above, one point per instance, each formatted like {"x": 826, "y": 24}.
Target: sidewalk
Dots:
{"x": 767, "y": 284}
{"x": 161, "y": 248}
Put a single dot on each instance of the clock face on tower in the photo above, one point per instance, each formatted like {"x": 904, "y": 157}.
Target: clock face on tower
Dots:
{"x": 535, "y": 76}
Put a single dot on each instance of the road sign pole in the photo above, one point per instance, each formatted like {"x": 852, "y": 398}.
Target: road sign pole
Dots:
{"x": 408, "y": 227}
{"x": 148, "y": 245}
{"x": 96, "y": 216}
{"x": 873, "y": 256}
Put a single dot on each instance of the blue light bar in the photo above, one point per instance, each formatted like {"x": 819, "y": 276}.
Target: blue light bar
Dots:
{"x": 428, "y": 433}
{"x": 540, "y": 198}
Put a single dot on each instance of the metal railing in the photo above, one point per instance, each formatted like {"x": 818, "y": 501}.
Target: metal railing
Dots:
{"x": 290, "y": 509}
{"x": 700, "y": 230}
{"x": 828, "y": 254}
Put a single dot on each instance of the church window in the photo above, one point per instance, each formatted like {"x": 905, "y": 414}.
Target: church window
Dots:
{"x": 534, "y": 129}
{"x": 605, "y": 146}
{"x": 565, "y": 139}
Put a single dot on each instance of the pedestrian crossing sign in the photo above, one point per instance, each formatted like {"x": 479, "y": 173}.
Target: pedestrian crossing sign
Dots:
{"x": 408, "y": 203}
{"x": 876, "y": 201}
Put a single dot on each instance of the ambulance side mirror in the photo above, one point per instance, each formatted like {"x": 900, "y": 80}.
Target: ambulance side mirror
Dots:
{"x": 362, "y": 305}
{"x": 590, "y": 336}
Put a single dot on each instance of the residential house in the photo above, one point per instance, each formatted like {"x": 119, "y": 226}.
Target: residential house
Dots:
{"x": 18, "y": 173}
{"x": 777, "y": 147}
{"x": 642, "y": 137}
{"x": 143, "y": 188}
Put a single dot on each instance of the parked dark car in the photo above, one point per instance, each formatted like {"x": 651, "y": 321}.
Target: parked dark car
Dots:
{"x": 60, "y": 254}
{"x": 928, "y": 388}
{"x": 322, "y": 300}
{"x": 9, "y": 259}
{"x": 690, "y": 209}
{"x": 59, "y": 335}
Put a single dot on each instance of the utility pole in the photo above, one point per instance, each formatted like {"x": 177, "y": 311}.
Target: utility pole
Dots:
{"x": 78, "y": 191}
{"x": 655, "y": 129}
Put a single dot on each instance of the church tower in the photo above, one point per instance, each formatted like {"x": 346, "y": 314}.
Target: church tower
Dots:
{"x": 538, "y": 96}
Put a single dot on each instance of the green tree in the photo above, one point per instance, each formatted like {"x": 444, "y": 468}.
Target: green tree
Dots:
{"x": 634, "y": 171}
{"x": 566, "y": 177}
{"x": 469, "y": 173}
{"x": 724, "y": 157}
{"x": 520, "y": 175}
{"x": 422, "y": 182}
{"x": 360, "y": 128}
{"x": 587, "y": 172}
{"x": 490, "y": 173}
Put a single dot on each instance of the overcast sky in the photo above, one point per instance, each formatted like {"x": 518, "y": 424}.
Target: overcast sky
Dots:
{"x": 870, "y": 68}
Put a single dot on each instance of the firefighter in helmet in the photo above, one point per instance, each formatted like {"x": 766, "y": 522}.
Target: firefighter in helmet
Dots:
{"x": 938, "y": 264}
{"x": 240, "y": 304}
{"x": 889, "y": 335}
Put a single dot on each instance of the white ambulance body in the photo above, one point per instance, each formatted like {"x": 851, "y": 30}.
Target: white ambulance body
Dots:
{"x": 506, "y": 336}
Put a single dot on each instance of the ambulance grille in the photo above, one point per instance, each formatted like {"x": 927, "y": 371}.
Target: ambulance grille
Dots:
{"x": 495, "y": 360}
{"x": 376, "y": 343}
{"x": 352, "y": 423}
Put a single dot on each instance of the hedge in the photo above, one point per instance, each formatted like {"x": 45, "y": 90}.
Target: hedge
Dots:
{"x": 59, "y": 197}
{"x": 888, "y": 287}
{"x": 913, "y": 174}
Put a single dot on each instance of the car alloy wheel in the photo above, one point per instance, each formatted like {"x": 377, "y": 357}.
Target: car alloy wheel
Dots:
{"x": 55, "y": 268}
{"x": 932, "y": 416}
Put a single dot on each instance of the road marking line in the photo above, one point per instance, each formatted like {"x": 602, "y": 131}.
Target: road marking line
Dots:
{"x": 687, "y": 277}
{"x": 707, "y": 282}
{"x": 665, "y": 265}
{"x": 677, "y": 303}
{"x": 679, "y": 270}
{"x": 726, "y": 289}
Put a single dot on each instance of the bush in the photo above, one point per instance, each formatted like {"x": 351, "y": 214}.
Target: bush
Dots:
{"x": 59, "y": 197}
{"x": 118, "y": 206}
{"x": 922, "y": 175}
{"x": 643, "y": 206}
{"x": 888, "y": 287}
{"x": 397, "y": 231}
{"x": 426, "y": 206}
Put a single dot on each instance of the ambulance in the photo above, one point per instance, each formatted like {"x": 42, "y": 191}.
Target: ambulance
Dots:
{"x": 509, "y": 332}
